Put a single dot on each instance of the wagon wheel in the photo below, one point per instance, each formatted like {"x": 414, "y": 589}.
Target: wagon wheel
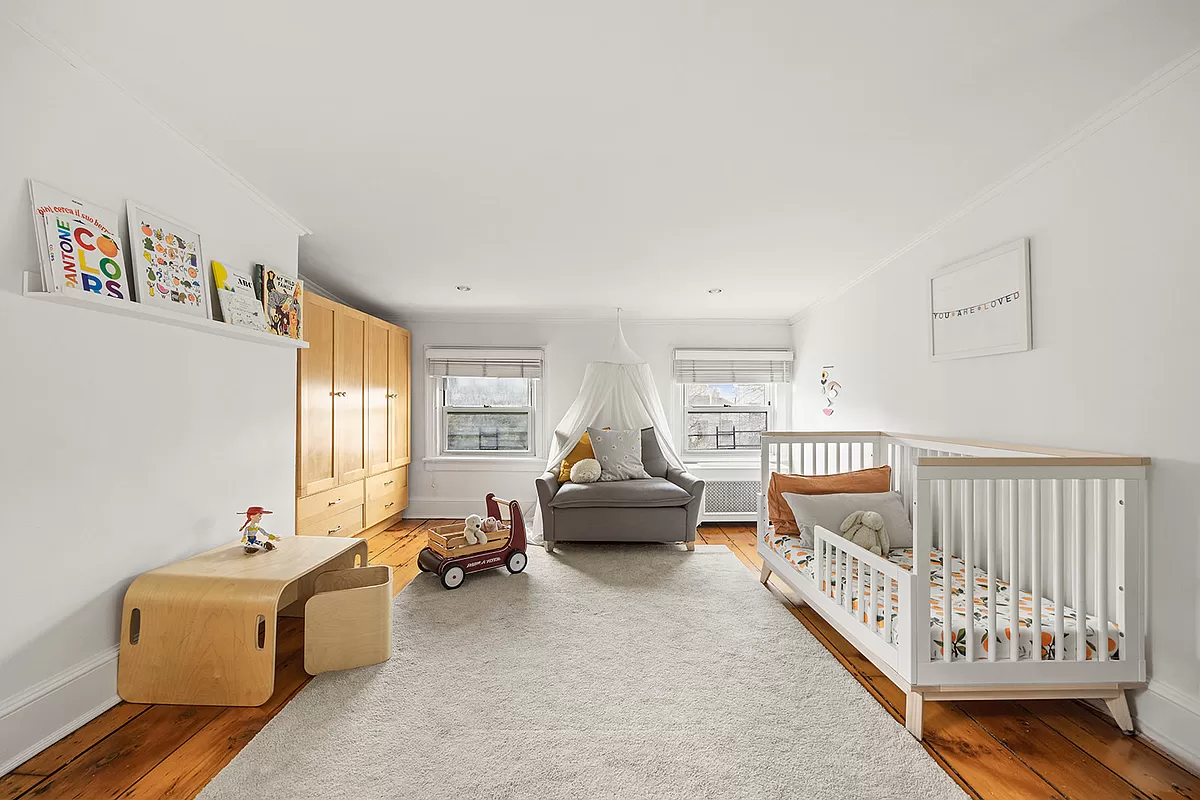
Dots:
{"x": 516, "y": 561}
{"x": 453, "y": 577}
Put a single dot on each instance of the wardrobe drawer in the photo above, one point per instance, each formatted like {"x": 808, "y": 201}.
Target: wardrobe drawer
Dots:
{"x": 344, "y": 523}
{"x": 329, "y": 502}
{"x": 386, "y": 483}
{"x": 380, "y": 508}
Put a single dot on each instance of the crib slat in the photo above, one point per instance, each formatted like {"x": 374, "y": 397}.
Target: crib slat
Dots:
{"x": 1035, "y": 578}
{"x": 1056, "y": 528}
{"x": 887, "y": 609}
{"x": 969, "y": 528}
{"x": 989, "y": 511}
{"x": 1079, "y": 492}
{"x": 877, "y": 579}
{"x": 1014, "y": 570}
{"x": 947, "y": 573}
{"x": 828, "y": 459}
{"x": 1100, "y": 500}
{"x": 838, "y": 573}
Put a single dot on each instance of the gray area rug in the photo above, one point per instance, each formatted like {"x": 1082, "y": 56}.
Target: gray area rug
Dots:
{"x": 602, "y": 671}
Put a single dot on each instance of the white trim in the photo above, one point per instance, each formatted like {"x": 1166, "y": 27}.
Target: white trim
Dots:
{"x": 454, "y": 507}
{"x": 540, "y": 315}
{"x": 534, "y": 465}
{"x": 1176, "y": 721}
{"x": 57, "y": 681}
{"x": 1172, "y": 72}
{"x": 34, "y": 30}
{"x": 312, "y": 286}
{"x": 75, "y": 696}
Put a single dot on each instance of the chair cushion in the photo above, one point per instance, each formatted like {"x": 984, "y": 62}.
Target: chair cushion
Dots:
{"x": 638, "y": 493}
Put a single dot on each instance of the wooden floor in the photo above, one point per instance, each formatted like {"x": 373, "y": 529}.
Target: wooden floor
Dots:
{"x": 1044, "y": 749}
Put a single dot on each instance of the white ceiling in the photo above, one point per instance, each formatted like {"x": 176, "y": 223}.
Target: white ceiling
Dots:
{"x": 563, "y": 157}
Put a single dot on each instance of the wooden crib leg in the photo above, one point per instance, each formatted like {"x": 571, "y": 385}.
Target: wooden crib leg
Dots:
{"x": 691, "y": 546}
{"x": 1119, "y": 708}
{"x": 914, "y": 714}
{"x": 765, "y": 574}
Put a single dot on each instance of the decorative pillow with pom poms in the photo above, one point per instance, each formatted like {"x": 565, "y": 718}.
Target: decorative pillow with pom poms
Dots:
{"x": 586, "y": 471}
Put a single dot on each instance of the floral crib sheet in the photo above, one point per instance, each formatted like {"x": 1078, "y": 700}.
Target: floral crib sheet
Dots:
{"x": 804, "y": 561}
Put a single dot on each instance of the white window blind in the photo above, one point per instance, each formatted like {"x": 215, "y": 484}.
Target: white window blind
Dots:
{"x": 733, "y": 366}
{"x": 456, "y": 362}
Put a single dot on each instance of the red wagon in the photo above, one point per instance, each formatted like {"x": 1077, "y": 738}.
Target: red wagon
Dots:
{"x": 452, "y": 558}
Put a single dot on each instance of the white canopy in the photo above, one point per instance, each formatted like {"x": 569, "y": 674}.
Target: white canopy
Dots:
{"x": 618, "y": 392}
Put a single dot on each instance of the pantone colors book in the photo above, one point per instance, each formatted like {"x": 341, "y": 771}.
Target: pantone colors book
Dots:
{"x": 79, "y": 245}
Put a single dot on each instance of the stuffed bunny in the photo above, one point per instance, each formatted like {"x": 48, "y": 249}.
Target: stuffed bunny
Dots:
{"x": 474, "y": 530}
{"x": 866, "y": 529}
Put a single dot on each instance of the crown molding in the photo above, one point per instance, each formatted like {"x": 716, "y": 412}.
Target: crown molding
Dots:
{"x": 1172, "y": 72}
{"x": 534, "y": 317}
{"x": 25, "y": 20}
{"x": 312, "y": 286}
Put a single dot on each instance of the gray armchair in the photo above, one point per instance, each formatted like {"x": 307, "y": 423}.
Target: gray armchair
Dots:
{"x": 662, "y": 508}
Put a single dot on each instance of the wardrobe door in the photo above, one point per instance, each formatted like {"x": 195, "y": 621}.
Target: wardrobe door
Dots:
{"x": 316, "y": 469}
{"x": 399, "y": 394}
{"x": 379, "y": 435}
{"x": 350, "y": 391}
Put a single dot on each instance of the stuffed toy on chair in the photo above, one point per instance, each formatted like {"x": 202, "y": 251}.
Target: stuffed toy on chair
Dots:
{"x": 866, "y": 529}
{"x": 474, "y": 530}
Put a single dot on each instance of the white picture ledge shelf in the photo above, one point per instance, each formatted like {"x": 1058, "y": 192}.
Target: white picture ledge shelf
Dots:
{"x": 32, "y": 288}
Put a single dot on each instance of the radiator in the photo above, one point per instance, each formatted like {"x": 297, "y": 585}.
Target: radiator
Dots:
{"x": 730, "y": 500}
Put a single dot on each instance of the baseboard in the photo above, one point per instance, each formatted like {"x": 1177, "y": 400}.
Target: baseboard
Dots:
{"x": 454, "y": 507}
{"x": 1170, "y": 720}
{"x": 36, "y": 718}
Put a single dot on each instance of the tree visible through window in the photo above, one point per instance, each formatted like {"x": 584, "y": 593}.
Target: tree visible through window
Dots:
{"x": 725, "y": 416}
{"x": 487, "y": 415}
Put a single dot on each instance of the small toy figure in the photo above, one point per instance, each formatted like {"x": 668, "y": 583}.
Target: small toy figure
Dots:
{"x": 254, "y": 537}
{"x": 474, "y": 530}
{"x": 491, "y": 525}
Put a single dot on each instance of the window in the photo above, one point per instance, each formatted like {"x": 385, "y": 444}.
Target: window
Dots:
{"x": 484, "y": 405}
{"x": 487, "y": 415}
{"x": 725, "y": 416}
{"x": 727, "y": 398}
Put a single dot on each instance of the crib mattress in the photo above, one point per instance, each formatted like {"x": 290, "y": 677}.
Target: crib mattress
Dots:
{"x": 963, "y": 623}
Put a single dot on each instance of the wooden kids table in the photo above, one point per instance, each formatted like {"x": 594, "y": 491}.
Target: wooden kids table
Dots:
{"x": 202, "y": 631}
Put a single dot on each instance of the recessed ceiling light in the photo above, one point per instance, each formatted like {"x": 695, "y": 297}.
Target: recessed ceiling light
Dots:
{"x": 714, "y": 291}
{"x": 463, "y": 288}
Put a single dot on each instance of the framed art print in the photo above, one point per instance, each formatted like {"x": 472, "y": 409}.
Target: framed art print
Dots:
{"x": 980, "y": 306}
{"x": 167, "y": 263}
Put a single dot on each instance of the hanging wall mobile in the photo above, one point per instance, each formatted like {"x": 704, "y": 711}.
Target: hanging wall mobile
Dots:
{"x": 829, "y": 389}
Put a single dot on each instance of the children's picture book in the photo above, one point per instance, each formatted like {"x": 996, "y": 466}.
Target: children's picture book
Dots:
{"x": 282, "y": 299}
{"x": 236, "y": 298}
{"x": 79, "y": 245}
{"x": 168, "y": 262}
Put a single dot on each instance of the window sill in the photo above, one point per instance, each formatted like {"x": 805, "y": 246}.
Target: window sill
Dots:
{"x": 531, "y": 464}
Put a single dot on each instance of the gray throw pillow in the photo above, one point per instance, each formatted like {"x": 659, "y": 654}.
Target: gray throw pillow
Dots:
{"x": 652, "y": 455}
{"x": 619, "y": 454}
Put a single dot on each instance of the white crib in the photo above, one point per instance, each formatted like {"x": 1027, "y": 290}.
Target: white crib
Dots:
{"x": 1062, "y": 525}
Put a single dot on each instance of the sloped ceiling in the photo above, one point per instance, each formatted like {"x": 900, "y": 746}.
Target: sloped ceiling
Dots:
{"x": 563, "y": 157}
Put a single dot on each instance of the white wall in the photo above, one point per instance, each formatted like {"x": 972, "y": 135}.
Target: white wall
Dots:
{"x": 127, "y": 444}
{"x": 1115, "y": 243}
{"x": 569, "y": 346}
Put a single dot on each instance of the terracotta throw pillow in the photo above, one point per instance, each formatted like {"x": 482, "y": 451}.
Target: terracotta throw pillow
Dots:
{"x": 863, "y": 481}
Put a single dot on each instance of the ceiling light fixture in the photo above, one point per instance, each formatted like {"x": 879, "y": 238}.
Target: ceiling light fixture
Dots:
{"x": 463, "y": 288}
{"x": 714, "y": 291}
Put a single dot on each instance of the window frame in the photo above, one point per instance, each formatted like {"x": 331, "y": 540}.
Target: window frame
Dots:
{"x": 777, "y": 414}
{"x": 443, "y": 428}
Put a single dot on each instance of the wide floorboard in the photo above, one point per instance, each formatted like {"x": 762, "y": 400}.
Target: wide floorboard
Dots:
{"x": 1043, "y": 749}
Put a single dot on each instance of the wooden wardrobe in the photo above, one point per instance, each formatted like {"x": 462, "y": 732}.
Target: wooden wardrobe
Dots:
{"x": 352, "y": 421}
